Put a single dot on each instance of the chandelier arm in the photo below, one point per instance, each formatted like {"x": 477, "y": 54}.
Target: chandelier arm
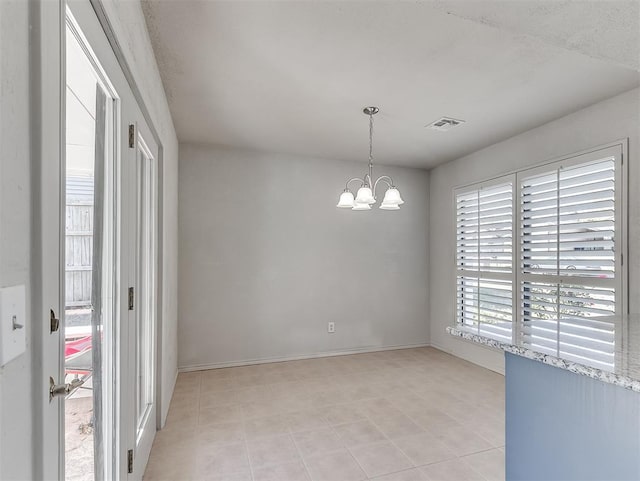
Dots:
{"x": 362, "y": 181}
{"x": 382, "y": 178}
{"x": 368, "y": 180}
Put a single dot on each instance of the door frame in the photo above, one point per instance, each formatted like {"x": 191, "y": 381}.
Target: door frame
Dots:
{"x": 48, "y": 137}
{"x": 143, "y": 144}
{"x": 109, "y": 31}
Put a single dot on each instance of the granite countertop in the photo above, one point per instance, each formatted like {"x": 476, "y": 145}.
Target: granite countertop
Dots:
{"x": 624, "y": 349}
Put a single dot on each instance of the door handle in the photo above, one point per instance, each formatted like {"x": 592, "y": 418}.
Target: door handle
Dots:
{"x": 63, "y": 389}
{"x": 54, "y": 322}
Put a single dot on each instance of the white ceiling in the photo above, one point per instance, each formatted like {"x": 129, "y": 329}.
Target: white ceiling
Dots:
{"x": 292, "y": 77}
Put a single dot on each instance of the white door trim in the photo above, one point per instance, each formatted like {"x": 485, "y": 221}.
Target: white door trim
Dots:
{"x": 48, "y": 134}
{"x": 109, "y": 31}
{"x": 47, "y": 78}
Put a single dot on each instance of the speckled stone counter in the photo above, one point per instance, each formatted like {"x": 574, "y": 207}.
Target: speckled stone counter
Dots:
{"x": 625, "y": 371}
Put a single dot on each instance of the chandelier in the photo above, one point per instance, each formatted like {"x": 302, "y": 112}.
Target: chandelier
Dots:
{"x": 366, "y": 195}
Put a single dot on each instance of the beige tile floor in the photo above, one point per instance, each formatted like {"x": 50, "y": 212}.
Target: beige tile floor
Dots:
{"x": 405, "y": 415}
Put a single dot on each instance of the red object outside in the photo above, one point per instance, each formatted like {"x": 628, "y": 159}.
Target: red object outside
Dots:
{"x": 74, "y": 349}
{"x": 76, "y": 346}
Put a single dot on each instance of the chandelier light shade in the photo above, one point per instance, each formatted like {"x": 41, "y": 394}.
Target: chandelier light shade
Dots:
{"x": 386, "y": 206}
{"x": 359, "y": 206}
{"x": 392, "y": 197}
{"x": 366, "y": 194}
{"x": 346, "y": 200}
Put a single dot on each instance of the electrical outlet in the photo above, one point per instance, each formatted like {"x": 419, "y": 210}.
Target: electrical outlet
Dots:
{"x": 331, "y": 327}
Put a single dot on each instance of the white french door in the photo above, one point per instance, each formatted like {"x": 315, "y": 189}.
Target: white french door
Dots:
{"x": 139, "y": 407}
{"x": 100, "y": 421}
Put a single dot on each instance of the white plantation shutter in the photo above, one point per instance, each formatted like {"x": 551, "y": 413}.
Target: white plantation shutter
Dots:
{"x": 568, "y": 276}
{"x": 467, "y": 231}
{"x": 587, "y": 220}
{"x": 484, "y": 259}
{"x": 565, "y": 283}
{"x": 568, "y": 221}
{"x": 539, "y": 220}
{"x": 563, "y": 321}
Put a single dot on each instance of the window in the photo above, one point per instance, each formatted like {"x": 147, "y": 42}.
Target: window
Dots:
{"x": 484, "y": 244}
{"x": 566, "y": 217}
{"x": 568, "y": 271}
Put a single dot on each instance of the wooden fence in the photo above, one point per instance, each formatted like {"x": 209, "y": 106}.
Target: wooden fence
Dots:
{"x": 79, "y": 241}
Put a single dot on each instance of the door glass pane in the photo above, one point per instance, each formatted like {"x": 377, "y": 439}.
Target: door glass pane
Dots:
{"x": 146, "y": 250}
{"x": 88, "y": 247}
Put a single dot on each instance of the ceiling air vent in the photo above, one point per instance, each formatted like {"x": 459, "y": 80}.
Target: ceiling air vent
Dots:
{"x": 445, "y": 123}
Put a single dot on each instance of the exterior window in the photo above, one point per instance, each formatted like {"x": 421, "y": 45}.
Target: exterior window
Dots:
{"x": 484, "y": 244}
{"x": 568, "y": 260}
{"x": 566, "y": 275}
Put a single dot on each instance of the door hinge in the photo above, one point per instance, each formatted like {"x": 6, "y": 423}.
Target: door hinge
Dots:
{"x": 132, "y": 136}
{"x": 54, "y": 322}
{"x": 130, "y": 461}
{"x": 131, "y": 298}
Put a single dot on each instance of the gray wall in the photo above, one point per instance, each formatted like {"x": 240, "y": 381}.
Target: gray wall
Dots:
{"x": 266, "y": 259}
{"x": 15, "y": 258}
{"x": 562, "y": 426}
{"x": 601, "y": 123}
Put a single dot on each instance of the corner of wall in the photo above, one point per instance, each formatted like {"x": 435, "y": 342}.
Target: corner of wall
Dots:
{"x": 578, "y": 131}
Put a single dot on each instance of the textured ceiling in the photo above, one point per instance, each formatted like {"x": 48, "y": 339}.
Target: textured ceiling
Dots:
{"x": 292, "y": 77}
{"x": 602, "y": 29}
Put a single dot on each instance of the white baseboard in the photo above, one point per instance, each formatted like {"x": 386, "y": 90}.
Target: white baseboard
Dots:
{"x": 165, "y": 409}
{"x": 469, "y": 358}
{"x": 248, "y": 362}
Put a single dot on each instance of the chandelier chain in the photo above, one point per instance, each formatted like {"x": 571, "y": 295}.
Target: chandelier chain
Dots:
{"x": 370, "y": 138}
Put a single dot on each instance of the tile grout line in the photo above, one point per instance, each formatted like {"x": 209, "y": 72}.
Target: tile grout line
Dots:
{"x": 246, "y": 448}
{"x": 301, "y": 378}
{"x": 244, "y": 438}
{"x": 390, "y": 441}
{"x": 199, "y": 396}
{"x": 457, "y": 421}
{"x": 245, "y": 443}
{"x": 426, "y": 431}
{"x": 304, "y": 462}
{"x": 332, "y": 427}
{"x": 397, "y": 472}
